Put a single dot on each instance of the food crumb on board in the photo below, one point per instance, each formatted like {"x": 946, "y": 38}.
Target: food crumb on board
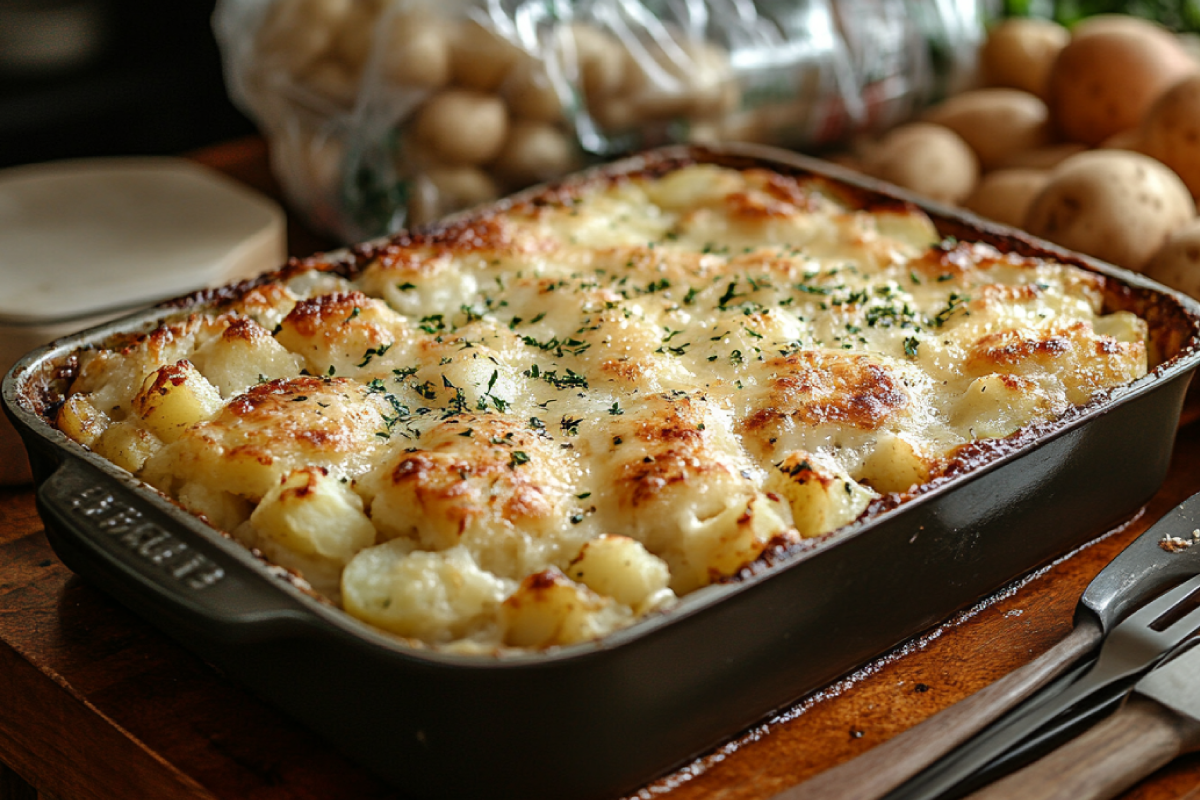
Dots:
{"x": 1174, "y": 544}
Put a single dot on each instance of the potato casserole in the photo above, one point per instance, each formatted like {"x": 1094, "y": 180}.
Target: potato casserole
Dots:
{"x": 536, "y": 424}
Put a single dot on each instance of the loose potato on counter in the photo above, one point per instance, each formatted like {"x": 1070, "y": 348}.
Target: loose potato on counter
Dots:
{"x": 1019, "y": 52}
{"x": 1171, "y": 131}
{"x": 928, "y": 159}
{"x": 1106, "y": 23}
{"x": 996, "y": 123}
{"x": 1113, "y": 204}
{"x": 1177, "y": 262}
{"x": 1006, "y": 194}
{"x": 1103, "y": 82}
{"x": 1125, "y": 140}
{"x": 1047, "y": 157}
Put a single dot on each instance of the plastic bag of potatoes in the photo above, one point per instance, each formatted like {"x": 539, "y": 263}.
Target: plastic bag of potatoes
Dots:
{"x": 387, "y": 113}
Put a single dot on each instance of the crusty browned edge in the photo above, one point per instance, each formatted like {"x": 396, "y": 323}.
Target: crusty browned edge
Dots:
{"x": 1173, "y": 330}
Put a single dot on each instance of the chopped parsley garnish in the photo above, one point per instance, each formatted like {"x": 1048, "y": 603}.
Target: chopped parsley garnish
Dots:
{"x": 372, "y": 352}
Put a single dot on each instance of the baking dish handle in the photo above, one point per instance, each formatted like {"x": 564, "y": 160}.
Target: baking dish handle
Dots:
{"x": 161, "y": 565}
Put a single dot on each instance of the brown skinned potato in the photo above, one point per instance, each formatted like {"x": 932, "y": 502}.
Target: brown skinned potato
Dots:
{"x": 1006, "y": 194}
{"x": 929, "y": 159}
{"x": 996, "y": 123}
{"x": 1171, "y": 131}
{"x": 1113, "y": 204}
{"x": 1019, "y": 52}
{"x": 1177, "y": 262}
{"x": 1104, "y": 83}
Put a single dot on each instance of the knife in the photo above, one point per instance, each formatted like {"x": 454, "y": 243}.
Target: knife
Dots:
{"x": 1159, "y": 721}
{"x": 1136, "y": 575}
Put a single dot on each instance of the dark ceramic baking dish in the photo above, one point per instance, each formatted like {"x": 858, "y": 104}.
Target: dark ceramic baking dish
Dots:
{"x": 595, "y": 720}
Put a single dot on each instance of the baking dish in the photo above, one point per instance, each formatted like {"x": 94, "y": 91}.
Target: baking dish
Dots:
{"x": 593, "y": 720}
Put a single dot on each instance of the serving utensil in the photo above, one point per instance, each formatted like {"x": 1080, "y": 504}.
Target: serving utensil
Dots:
{"x": 1141, "y": 571}
{"x": 1135, "y": 645}
{"x": 1159, "y": 721}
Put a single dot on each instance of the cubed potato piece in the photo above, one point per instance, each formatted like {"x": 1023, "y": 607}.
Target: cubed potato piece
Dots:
{"x": 127, "y": 445}
{"x": 621, "y": 568}
{"x": 175, "y": 397}
{"x": 894, "y": 465}
{"x": 823, "y": 498}
{"x": 996, "y": 405}
{"x": 700, "y": 185}
{"x": 313, "y": 514}
{"x": 342, "y": 333}
{"x": 81, "y": 420}
{"x": 434, "y": 596}
{"x": 223, "y": 510}
{"x": 245, "y": 354}
{"x": 548, "y": 609}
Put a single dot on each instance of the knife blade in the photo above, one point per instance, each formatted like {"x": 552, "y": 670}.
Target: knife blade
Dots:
{"x": 1159, "y": 721}
{"x": 1134, "y": 577}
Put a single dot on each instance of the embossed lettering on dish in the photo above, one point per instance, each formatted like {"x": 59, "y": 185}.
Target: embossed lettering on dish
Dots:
{"x": 152, "y": 542}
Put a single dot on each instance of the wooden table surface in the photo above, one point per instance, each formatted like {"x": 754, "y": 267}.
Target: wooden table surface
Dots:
{"x": 94, "y": 703}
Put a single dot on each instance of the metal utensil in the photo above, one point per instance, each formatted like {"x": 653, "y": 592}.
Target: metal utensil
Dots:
{"x": 1160, "y": 721}
{"x": 1135, "y": 645}
{"x": 1141, "y": 571}
{"x": 1061, "y": 730}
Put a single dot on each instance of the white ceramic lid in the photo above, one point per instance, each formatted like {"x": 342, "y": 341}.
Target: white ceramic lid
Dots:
{"x": 86, "y": 237}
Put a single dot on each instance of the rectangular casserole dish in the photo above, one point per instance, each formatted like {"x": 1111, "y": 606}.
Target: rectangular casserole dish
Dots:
{"x": 597, "y": 719}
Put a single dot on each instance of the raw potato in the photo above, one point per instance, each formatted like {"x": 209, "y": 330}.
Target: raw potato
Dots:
{"x": 299, "y": 32}
{"x": 333, "y": 81}
{"x": 996, "y": 123}
{"x": 1106, "y": 23}
{"x": 418, "y": 51}
{"x": 534, "y": 152}
{"x": 1019, "y": 53}
{"x": 1046, "y": 157}
{"x": 602, "y": 62}
{"x": 1126, "y": 140}
{"x": 1103, "y": 83}
{"x": 1171, "y": 132}
{"x": 1177, "y": 262}
{"x": 353, "y": 41}
{"x": 1112, "y": 204}
{"x": 441, "y": 190}
{"x": 463, "y": 127}
{"x": 531, "y": 95}
{"x": 482, "y": 59}
{"x": 1006, "y": 194}
{"x": 928, "y": 159}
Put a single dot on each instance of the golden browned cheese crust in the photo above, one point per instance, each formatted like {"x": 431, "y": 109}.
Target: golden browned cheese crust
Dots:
{"x": 534, "y": 427}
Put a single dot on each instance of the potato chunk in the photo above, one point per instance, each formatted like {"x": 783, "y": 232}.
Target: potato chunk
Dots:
{"x": 244, "y": 354}
{"x": 432, "y": 596}
{"x": 314, "y": 514}
{"x": 127, "y": 445}
{"x": 175, "y": 397}
{"x": 823, "y": 498}
{"x": 548, "y": 609}
{"x": 81, "y": 420}
{"x": 621, "y": 568}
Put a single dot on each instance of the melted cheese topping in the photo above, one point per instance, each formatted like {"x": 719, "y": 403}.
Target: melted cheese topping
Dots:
{"x": 538, "y": 425}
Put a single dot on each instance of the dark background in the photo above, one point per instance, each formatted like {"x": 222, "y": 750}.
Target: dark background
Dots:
{"x": 154, "y": 87}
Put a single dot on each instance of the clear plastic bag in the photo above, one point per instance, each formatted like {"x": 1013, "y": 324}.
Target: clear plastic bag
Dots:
{"x": 387, "y": 113}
